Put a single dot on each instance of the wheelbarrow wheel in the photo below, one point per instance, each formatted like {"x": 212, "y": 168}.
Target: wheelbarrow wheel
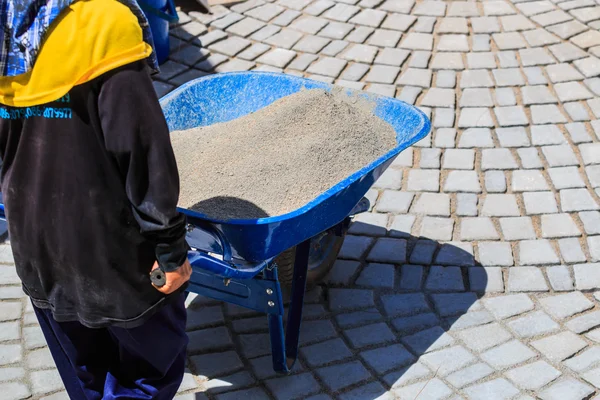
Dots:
{"x": 323, "y": 253}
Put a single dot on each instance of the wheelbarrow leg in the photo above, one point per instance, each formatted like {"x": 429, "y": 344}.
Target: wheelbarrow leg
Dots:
{"x": 285, "y": 355}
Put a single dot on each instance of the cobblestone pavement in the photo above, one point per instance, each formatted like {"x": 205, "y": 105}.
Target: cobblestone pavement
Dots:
{"x": 473, "y": 277}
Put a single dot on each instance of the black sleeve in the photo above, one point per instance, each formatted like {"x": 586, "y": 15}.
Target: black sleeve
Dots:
{"x": 137, "y": 136}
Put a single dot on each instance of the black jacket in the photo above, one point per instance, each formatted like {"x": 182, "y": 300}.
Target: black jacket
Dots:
{"x": 90, "y": 186}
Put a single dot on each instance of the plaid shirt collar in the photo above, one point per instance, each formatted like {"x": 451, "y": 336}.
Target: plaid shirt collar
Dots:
{"x": 23, "y": 24}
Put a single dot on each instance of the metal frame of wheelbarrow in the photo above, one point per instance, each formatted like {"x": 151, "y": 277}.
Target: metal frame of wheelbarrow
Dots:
{"x": 256, "y": 285}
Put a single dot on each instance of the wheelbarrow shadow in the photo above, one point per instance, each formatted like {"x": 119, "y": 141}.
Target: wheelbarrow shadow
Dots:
{"x": 379, "y": 322}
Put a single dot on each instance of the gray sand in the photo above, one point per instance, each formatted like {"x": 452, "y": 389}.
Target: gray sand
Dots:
{"x": 279, "y": 158}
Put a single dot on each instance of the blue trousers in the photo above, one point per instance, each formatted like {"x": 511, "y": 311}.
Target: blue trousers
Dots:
{"x": 146, "y": 362}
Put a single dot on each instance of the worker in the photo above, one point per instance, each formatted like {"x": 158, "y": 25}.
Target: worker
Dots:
{"x": 90, "y": 187}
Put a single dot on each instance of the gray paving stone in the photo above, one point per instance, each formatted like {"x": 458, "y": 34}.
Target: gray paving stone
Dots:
{"x": 369, "y": 335}
{"x": 469, "y": 375}
{"x": 328, "y": 66}
{"x": 447, "y": 61}
{"x": 546, "y": 135}
{"x": 311, "y": 44}
{"x": 393, "y": 201}
{"x": 535, "y": 76}
{"x": 566, "y": 389}
{"x": 385, "y": 38}
{"x": 495, "y": 254}
{"x": 358, "y": 318}
{"x": 505, "y": 97}
{"x": 508, "y": 59}
{"x": 293, "y": 386}
{"x": 540, "y": 37}
{"x": 388, "y": 250}
{"x": 500, "y": 205}
{"x": 508, "y": 355}
{"x": 326, "y": 352}
{"x": 475, "y": 118}
{"x": 355, "y": 246}
{"x": 558, "y": 225}
{"x": 526, "y": 279}
{"x": 578, "y": 112}
{"x": 538, "y": 94}
{"x": 444, "y": 117}
{"x": 341, "y": 12}
{"x": 584, "y": 322}
{"x": 432, "y": 389}
{"x": 512, "y": 137}
{"x": 533, "y": 324}
{"x": 565, "y": 178}
{"x": 495, "y": 182}
{"x": 509, "y": 41}
{"x": 359, "y": 34}
{"x": 509, "y": 306}
{"x": 484, "y": 24}
{"x": 533, "y": 376}
{"x": 564, "y": 52}
{"x": 560, "y": 346}
{"x": 432, "y": 204}
{"x": 535, "y": 56}
{"x": 423, "y": 251}
{"x": 589, "y": 67}
{"x": 572, "y": 91}
{"x": 215, "y": 364}
{"x": 279, "y": 58}
{"x": 342, "y": 272}
{"x": 577, "y": 200}
{"x": 43, "y": 382}
{"x": 428, "y": 340}
{"x": 355, "y": 72}
{"x": 409, "y": 94}
{"x": 539, "y": 203}
{"x": 511, "y": 116}
{"x": 385, "y": 359}
{"x": 528, "y": 180}
{"x": 14, "y": 391}
{"x": 437, "y": 228}
{"x": 483, "y": 337}
{"x": 444, "y": 138}
{"x": 377, "y": 276}
{"x": 453, "y": 43}
{"x": 593, "y": 243}
{"x": 462, "y": 181}
{"x": 411, "y": 277}
{"x": 587, "y": 359}
{"x": 476, "y": 137}
{"x": 590, "y": 153}
{"x": 559, "y": 276}
{"x": 591, "y": 221}
{"x": 444, "y": 279}
{"x": 450, "y": 304}
{"x": 349, "y": 299}
{"x": 399, "y": 22}
{"x": 566, "y": 305}
{"x": 486, "y": 279}
{"x": 404, "y": 304}
{"x": 417, "y": 323}
{"x": 497, "y": 159}
{"x": 471, "y": 319}
{"x": 472, "y": 78}
{"x": 481, "y": 228}
{"x": 448, "y": 360}
{"x": 536, "y": 252}
{"x": 446, "y": 79}
{"x": 360, "y": 53}
{"x": 476, "y": 98}
{"x": 382, "y": 74}
{"x": 417, "y": 77}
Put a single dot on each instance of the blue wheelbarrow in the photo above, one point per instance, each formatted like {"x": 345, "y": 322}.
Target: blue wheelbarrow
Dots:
{"x": 236, "y": 261}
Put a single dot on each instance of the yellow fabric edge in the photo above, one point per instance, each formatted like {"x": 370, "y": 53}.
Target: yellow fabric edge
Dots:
{"x": 139, "y": 52}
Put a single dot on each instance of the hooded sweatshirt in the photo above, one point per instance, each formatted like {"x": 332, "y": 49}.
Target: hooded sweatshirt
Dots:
{"x": 88, "y": 176}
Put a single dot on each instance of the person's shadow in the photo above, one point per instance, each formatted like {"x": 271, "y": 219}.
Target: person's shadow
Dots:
{"x": 378, "y": 322}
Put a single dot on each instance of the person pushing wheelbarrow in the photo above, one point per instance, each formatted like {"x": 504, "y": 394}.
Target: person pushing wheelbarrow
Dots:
{"x": 90, "y": 186}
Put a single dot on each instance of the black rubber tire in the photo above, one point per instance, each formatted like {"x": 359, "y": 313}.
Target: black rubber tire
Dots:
{"x": 285, "y": 264}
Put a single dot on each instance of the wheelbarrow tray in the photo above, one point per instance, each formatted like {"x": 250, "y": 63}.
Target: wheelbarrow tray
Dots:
{"x": 224, "y": 97}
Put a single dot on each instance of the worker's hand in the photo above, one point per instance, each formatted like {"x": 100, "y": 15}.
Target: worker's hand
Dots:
{"x": 175, "y": 278}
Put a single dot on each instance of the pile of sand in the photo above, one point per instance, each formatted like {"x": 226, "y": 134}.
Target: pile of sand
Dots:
{"x": 279, "y": 158}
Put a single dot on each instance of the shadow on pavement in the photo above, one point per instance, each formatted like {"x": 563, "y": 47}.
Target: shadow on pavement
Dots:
{"x": 377, "y": 323}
